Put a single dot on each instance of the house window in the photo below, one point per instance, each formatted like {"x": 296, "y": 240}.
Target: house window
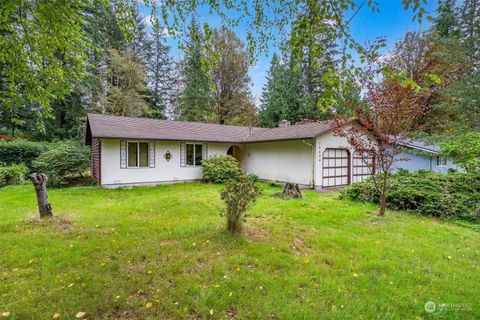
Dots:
{"x": 441, "y": 161}
{"x": 194, "y": 154}
{"x": 137, "y": 154}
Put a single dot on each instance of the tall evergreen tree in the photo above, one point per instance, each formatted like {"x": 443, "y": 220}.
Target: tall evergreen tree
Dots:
{"x": 141, "y": 45}
{"x": 446, "y": 22}
{"x": 196, "y": 99}
{"x": 162, "y": 74}
{"x": 470, "y": 29}
{"x": 282, "y": 97}
{"x": 317, "y": 60}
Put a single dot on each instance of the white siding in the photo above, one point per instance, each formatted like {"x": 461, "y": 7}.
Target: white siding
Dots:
{"x": 286, "y": 161}
{"x": 164, "y": 171}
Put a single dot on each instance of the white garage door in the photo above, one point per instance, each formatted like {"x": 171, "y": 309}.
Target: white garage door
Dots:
{"x": 336, "y": 168}
{"x": 363, "y": 166}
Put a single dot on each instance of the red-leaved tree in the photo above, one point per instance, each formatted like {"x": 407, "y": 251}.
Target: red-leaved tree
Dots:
{"x": 385, "y": 120}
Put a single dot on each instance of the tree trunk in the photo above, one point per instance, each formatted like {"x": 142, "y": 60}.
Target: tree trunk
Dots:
{"x": 383, "y": 204}
{"x": 39, "y": 181}
{"x": 290, "y": 190}
{"x": 234, "y": 225}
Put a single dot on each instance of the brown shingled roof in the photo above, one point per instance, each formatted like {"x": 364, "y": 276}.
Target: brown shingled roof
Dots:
{"x": 103, "y": 126}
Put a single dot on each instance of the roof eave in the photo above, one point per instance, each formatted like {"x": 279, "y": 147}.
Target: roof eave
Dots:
{"x": 419, "y": 148}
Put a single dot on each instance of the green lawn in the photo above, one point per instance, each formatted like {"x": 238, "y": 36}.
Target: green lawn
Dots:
{"x": 162, "y": 253}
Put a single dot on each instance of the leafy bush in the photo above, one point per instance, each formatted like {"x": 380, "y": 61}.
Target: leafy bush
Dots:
{"x": 220, "y": 168}
{"x": 447, "y": 196}
{"x": 21, "y": 151}
{"x": 12, "y": 174}
{"x": 238, "y": 195}
{"x": 63, "y": 163}
{"x": 465, "y": 151}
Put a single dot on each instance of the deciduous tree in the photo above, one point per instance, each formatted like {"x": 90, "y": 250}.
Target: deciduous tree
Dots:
{"x": 229, "y": 74}
{"x": 387, "y": 119}
{"x": 126, "y": 86}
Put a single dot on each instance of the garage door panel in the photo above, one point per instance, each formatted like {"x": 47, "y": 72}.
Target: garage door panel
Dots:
{"x": 336, "y": 167}
{"x": 363, "y": 166}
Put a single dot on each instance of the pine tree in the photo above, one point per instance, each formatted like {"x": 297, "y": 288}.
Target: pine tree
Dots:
{"x": 316, "y": 58}
{"x": 282, "y": 96}
{"x": 446, "y": 22}
{"x": 141, "y": 45}
{"x": 162, "y": 74}
{"x": 470, "y": 29}
{"x": 196, "y": 100}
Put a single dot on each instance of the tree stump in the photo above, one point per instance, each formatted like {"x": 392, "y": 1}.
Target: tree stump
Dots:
{"x": 39, "y": 181}
{"x": 290, "y": 191}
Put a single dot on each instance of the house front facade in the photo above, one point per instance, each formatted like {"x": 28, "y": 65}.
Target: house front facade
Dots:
{"x": 138, "y": 151}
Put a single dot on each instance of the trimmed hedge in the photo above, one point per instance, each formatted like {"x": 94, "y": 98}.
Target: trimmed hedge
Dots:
{"x": 446, "y": 196}
{"x": 21, "y": 152}
{"x": 220, "y": 168}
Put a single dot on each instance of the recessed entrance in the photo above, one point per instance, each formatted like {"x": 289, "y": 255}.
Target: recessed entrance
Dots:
{"x": 236, "y": 152}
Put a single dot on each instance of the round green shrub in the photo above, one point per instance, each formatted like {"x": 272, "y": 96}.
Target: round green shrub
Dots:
{"x": 220, "y": 168}
{"x": 21, "y": 151}
{"x": 12, "y": 174}
{"x": 64, "y": 162}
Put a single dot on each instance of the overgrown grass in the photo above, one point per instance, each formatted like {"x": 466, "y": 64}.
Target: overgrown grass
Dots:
{"x": 162, "y": 253}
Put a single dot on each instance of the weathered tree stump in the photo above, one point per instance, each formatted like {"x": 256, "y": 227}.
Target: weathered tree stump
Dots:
{"x": 39, "y": 181}
{"x": 290, "y": 191}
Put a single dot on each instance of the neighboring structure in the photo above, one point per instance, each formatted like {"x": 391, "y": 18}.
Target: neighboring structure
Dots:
{"x": 140, "y": 151}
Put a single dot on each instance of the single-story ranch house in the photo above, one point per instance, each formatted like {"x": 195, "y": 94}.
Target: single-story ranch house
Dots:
{"x": 139, "y": 151}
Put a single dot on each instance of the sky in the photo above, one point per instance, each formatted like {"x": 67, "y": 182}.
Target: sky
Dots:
{"x": 391, "y": 22}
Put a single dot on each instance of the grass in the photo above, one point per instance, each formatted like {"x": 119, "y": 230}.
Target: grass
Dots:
{"x": 162, "y": 253}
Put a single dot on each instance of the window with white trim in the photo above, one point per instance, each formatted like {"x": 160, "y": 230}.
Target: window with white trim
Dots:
{"x": 441, "y": 161}
{"x": 137, "y": 154}
{"x": 194, "y": 154}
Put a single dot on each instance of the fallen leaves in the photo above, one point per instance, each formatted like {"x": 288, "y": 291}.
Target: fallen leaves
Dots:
{"x": 148, "y": 305}
{"x": 5, "y": 314}
{"x": 56, "y": 315}
{"x": 80, "y": 314}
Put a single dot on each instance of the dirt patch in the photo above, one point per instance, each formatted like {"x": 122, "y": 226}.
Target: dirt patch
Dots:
{"x": 121, "y": 313}
{"x": 54, "y": 222}
{"x": 376, "y": 220}
{"x": 300, "y": 247}
{"x": 257, "y": 234}
{"x": 167, "y": 242}
{"x": 231, "y": 314}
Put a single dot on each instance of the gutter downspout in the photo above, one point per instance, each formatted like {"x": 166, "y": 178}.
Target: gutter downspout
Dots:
{"x": 312, "y": 181}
